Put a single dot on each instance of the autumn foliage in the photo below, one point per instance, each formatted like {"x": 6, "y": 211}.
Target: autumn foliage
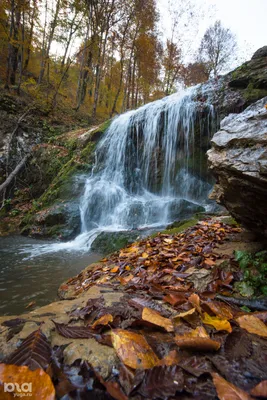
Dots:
{"x": 172, "y": 331}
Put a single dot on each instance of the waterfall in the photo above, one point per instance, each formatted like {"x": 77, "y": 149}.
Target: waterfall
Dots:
{"x": 141, "y": 176}
{"x": 148, "y": 170}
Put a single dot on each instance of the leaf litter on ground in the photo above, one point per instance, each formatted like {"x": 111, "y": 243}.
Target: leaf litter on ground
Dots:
{"x": 173, "y": 337}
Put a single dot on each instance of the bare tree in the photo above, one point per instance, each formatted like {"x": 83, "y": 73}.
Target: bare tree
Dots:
{"x": 217, "y": 49}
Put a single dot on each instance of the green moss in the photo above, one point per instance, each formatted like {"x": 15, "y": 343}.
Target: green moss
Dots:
{"x": 72, "y": 143}
{"x": 240, "y": 71}
{"x": 230, "y": 221}
{"x": 252, "y": 94}
{"x": 180, "y": 226}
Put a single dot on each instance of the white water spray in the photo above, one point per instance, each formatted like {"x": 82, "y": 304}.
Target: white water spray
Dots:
{"x": 142, "y": 175}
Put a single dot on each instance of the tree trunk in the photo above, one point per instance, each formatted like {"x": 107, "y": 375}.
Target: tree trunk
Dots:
{"x": 14, "y": 173}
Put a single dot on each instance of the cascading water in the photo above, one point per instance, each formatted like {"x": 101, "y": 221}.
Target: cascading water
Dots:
{"x": 147, "y": 171}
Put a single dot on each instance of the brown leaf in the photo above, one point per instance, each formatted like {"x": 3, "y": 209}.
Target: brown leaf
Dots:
{"x": 155, "y": 318}
{"x": 41, "y": 385}
{"x": 133, "y": 349}
{"x": 175, "y": 299}
{"x": 260, "y": 390}
{"x": 35, "y": 352}
{"x": 114, "y": 390}
{"x": 196, "y": 343}
{"x": 184, "y": 314}
{"x": 221, "y": 310}
{"x": 171, "y": 359}
{"x": 74, "y": 332}
{"x": 238, "y": 345}
{"x": 159, "y": 382}
{"x": 228, "y": 391}
{"x": 195, "y": 301}
{"x": 252, "y": 325}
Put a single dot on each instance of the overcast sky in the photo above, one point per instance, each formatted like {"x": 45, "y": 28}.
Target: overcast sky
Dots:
{"x": 246, "y": 18}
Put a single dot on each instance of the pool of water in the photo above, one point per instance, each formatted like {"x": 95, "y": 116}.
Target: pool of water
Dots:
{"x": 25, "y": 279}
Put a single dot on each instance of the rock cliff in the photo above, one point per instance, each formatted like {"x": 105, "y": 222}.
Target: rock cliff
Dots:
{"x": 238, "y": 159}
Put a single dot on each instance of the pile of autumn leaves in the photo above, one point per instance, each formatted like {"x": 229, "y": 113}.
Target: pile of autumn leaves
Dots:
{"x": 172, "y": 341}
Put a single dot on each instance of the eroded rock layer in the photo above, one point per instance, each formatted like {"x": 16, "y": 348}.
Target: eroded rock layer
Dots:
{"x": 238, "y": 159}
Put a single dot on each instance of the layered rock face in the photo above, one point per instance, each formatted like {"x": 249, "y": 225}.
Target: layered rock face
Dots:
{"x": 238, "y": 159}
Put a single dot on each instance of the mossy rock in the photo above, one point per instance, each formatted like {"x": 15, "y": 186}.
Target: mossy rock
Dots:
{"x": 64, "y": 186}
{"x": 109, "y": 242}
{"x": 180, "y": 226}
{"x": 61, "y": 221}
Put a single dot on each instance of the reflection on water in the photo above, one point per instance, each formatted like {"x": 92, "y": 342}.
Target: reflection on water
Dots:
{"x": 24, "y": 280}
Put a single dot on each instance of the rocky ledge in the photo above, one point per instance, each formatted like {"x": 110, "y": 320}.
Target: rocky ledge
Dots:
{"x": 238, "y": 159}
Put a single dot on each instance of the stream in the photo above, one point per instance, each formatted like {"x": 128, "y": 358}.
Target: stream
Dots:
{"x": 25, "y": 279}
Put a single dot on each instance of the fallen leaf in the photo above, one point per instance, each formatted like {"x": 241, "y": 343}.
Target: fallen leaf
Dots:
{"x": 209, "y": 262}
{"x": 260, "y": 390}
{"x": 34, "y": 352}
{"x": 155, "y": 318}
{"x": 171, "y": 359}
{"x": 36, "y": 383}
{"x": 125, "y": 280}
{"x": 195, "y": 301}
{"x": 218, "y": 323}
{"x": 114, "y": 390}
{"x": 219, "y": 309}
{"x": 115, "y": 269}
{"x": 196, "y": 343}
{"x": 228, "y": 391}
{"x": 200, "y": 331}
{"x": 169, "y": 241}
{"x": 129, "y": 250}
{"x": 252, "y": 325}
{"x": 159, "y": 382}
{"x": 133, "y": 349}
{"x": 74, "y": 332}
{"x": 184, "y": 314}
{"x": 31, "y": 304}
{"x": 175, "y": 299}
{"x": 104, "y": 320}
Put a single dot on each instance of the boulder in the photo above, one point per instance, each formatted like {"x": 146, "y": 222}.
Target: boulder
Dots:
{"x": 238, "y": 159}
{"x": 262, "y": 52}
{"x": 60, "y": 221}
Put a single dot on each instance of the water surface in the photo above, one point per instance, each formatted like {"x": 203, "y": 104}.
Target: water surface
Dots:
{"x": 25, "y": 279}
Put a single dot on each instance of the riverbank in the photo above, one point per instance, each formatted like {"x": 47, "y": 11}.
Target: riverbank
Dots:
{"x": 153, "y": 313}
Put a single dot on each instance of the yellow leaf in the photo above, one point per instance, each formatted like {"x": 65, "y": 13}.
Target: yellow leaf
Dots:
{"x": 114, "y": 270}
{"x": 252, "y": 325}
{"x": 129, "y": 250}
{"x": 200, "y": 331}
{"x": 133, "y": 349}
{"x": 104, "y": 320}
{"x": 218, "y": 323}
{"x": 128, "y": 268}
{"x": 169, "y": 241}
{"x": 144, "y": 255}
{"x": 155, "y": 318}
{"x": 41, "y": 386}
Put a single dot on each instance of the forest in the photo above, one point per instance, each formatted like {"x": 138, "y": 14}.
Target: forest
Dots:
{"x": 101, "y": 58}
